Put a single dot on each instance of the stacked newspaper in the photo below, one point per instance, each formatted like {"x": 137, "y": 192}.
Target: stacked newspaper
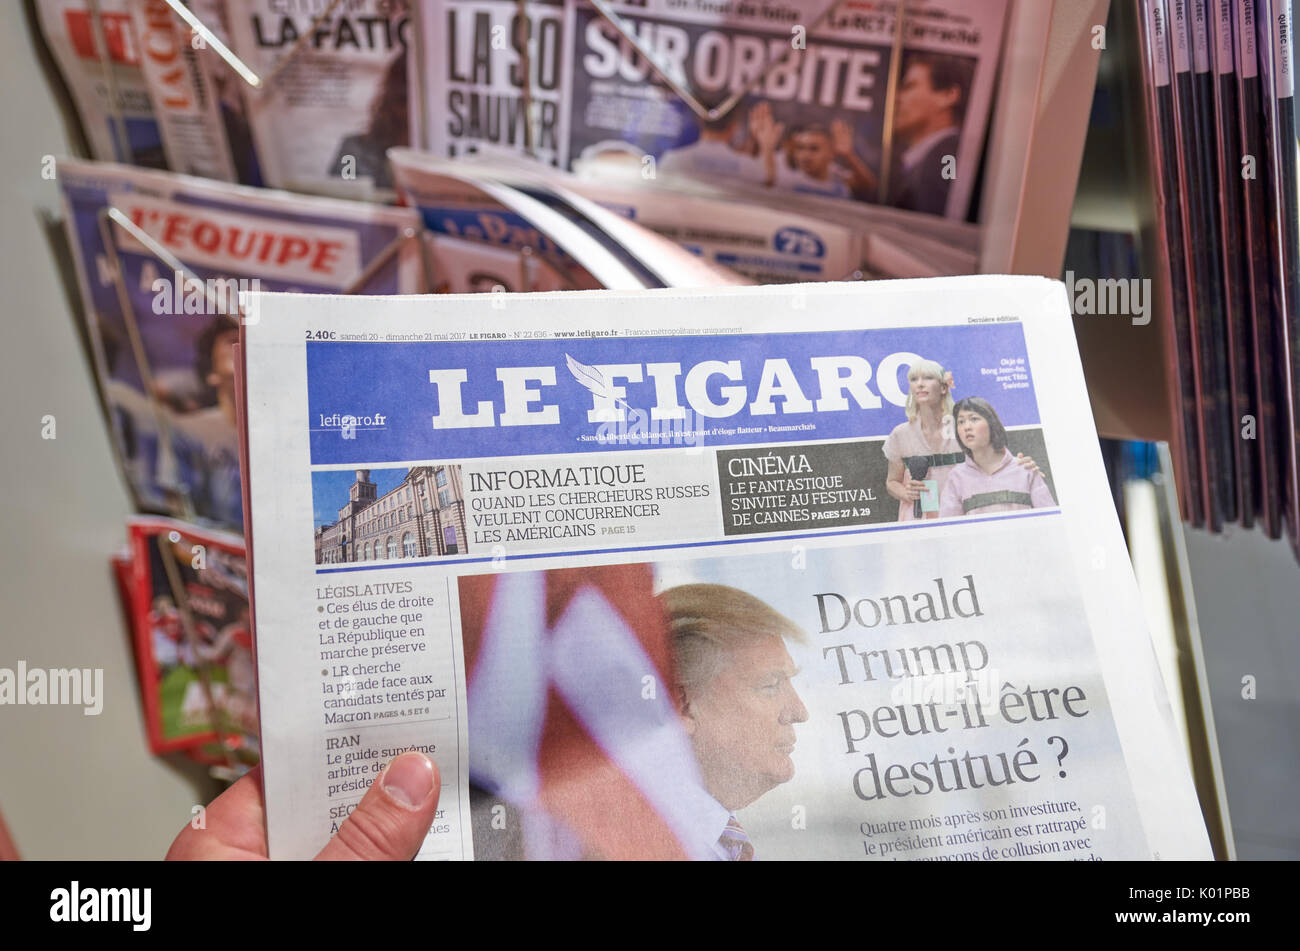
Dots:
{"x": 1222, "y": 124}
{"x": 807, "y": 97}
{"x": 301, "y": 96}
{"x": 801, "y": 141}
{"x": 820, "y": 571}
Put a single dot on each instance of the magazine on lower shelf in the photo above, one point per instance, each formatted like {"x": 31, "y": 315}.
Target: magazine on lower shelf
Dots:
{"x": 817, "y": 571}
{"x": 185, "y": 590}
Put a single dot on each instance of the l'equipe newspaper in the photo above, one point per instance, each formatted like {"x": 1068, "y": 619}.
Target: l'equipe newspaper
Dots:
{"x": 162, "y": 338}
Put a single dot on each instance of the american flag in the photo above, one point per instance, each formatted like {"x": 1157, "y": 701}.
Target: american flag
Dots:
{"x": 571, "y": 718}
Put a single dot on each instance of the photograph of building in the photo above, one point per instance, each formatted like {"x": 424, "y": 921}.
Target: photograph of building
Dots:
{"x": 402, "y": 513}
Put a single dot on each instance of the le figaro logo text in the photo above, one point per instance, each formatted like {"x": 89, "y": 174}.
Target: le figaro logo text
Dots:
{"x": 77, "y": 903}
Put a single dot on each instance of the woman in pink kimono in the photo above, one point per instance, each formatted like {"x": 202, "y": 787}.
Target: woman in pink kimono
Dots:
{"x": 991, "y": 479}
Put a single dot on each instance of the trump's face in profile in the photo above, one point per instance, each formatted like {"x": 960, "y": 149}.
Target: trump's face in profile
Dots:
{"x": 741, "y": 721}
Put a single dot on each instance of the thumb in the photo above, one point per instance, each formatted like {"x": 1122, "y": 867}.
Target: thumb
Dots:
{"x": 393, "y": 818}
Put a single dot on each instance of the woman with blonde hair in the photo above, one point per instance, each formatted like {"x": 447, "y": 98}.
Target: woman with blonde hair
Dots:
{"x": 923, "y": 450}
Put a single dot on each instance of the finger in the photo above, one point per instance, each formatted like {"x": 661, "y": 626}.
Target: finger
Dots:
{"x": 234, "y": 820}
{"x": 393, "y": 818}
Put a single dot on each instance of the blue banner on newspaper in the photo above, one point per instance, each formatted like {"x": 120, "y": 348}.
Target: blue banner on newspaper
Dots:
{"x": 430, "y": 400}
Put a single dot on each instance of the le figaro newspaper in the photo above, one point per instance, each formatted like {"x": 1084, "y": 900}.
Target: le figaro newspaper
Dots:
{"x": 826, "y": 571}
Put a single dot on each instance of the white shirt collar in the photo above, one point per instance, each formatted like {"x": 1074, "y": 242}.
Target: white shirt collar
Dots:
{"x": 708, "y": 819}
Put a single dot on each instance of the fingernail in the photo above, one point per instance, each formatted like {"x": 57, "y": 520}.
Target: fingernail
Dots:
{"x": 408, "y": 780}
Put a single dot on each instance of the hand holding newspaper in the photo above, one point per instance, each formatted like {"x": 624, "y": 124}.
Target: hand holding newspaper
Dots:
{"x": 625, "y": 565}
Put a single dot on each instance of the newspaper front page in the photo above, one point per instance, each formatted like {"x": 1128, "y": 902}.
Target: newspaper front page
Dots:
{"x": 99, "y": 58}
{"x": 334, "y": 94}
{"x": 692, "y": 574}
{"x": 497, "y": 78}
{"x": 185, "y": 96}
{"x": 801, "y": 89}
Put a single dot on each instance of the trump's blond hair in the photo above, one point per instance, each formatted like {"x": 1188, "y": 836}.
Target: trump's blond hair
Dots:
{"x": 706, "y": 621}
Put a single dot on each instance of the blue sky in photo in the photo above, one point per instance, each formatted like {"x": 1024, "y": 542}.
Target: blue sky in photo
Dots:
{"x": 329, "y": 490}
